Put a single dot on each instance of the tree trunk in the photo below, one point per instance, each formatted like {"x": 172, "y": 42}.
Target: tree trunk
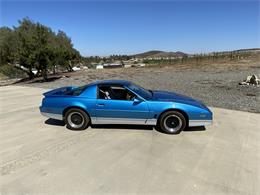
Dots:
{"x": 70, "y": 66}
{"x": 44, "y": 74}
{"x": 38, "y": 72}
{"x": 30, "y": 73}
{"x": 54, "y": 69}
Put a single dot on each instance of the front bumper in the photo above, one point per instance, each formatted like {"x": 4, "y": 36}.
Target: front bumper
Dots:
{"x": 197, "y": 123}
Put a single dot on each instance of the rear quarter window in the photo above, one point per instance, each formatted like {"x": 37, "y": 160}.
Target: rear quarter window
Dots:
{"x": 77, "y": 91}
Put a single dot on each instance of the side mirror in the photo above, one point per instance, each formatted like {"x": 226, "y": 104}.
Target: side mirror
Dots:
{"x": 137, "y": 100}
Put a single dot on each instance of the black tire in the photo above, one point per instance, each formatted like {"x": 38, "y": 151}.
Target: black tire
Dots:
{"x": 172, "y": 122}
{"x": 76, "y": 119}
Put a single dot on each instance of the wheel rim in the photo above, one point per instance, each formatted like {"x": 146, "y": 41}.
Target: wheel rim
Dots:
{"x": 172, "y": 123}
{"x": 75, "y": 119}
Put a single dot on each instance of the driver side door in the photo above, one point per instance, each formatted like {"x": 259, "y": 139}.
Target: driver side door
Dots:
{"x": 121, "y": 111}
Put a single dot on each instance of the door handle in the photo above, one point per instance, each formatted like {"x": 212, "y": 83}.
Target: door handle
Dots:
{"x": 101, "y": 104}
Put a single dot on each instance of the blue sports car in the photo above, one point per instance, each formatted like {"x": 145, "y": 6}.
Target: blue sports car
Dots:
{"x": 123, "y": 102}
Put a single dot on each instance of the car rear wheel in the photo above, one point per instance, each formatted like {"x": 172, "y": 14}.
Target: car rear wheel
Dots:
{"x": 76, "y": 119}
{"x": 172, "y": 122}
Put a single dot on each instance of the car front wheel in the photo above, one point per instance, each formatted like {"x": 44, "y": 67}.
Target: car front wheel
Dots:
{"x": 76, "y": 119}
{"x": 172, "y": 122}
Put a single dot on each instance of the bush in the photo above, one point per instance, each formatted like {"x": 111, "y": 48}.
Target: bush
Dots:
{"x": 11, "y": 72}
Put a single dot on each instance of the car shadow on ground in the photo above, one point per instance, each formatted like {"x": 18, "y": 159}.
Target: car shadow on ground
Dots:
{"x": 55, "y": 122}
{"x": 190, "y": 129}
{"x": 123, "y": 127}
{"x": 51, "y": 78}
{"x": 187, "y": 129}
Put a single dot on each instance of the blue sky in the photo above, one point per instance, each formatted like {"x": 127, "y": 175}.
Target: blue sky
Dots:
{"x": 128, "y": 27}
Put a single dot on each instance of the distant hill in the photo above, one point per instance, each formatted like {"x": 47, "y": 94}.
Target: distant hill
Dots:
{"x": 147, "y": 54}
{"x": 248, "y": 50}
{"x": 164, "y": 54}
{"x": 159, "y": 54}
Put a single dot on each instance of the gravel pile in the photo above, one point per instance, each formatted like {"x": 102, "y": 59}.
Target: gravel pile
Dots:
{"x": 216, "y": 87}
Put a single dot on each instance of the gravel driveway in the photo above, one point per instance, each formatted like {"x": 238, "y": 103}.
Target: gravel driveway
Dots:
{"x": 217, "y": 86}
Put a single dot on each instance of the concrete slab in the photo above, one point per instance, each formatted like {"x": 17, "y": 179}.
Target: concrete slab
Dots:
{"x": 39, "y": 156}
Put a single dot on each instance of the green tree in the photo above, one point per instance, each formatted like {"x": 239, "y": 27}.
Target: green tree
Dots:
{"x": 8, "y": 45}
{"x": 26, "y": 52}
{"x": 35, "y": 46}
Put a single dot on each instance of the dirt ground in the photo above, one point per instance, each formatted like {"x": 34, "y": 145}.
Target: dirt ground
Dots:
{"x": 216, "y": 85}
{"x": 40, "y": 156}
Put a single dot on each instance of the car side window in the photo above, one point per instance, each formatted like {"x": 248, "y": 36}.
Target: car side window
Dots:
{"x": 114, "y": 92}
{"x": 77, "y": 91}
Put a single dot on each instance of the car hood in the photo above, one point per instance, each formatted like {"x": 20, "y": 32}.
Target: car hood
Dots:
{"x": 175, "y": 97}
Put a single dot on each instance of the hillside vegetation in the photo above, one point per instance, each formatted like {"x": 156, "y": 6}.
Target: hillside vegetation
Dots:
{"x": 159, "y": 54}
{"x": 33, "y": 46}
{"x": 242, "y": 56}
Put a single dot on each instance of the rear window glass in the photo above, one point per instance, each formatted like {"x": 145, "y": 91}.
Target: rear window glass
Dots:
{"x": 77, "y": 91}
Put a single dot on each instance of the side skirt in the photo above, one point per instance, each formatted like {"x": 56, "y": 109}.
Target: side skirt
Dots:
{"x": 130, "y": 121}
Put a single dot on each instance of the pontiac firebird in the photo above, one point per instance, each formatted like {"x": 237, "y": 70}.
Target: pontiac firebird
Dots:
{"x": 123, "y": 102}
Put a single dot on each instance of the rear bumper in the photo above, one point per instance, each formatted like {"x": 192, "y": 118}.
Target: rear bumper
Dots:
{"x": 53, "y": 116}
{"x": 50, "y": 115}
{"x": 196, "y": 123}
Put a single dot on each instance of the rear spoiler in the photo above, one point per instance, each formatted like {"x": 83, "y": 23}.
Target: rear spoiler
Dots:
{"x": 59, "y": 91}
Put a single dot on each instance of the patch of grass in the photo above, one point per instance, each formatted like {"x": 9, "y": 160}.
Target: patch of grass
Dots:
{"x": 2, "y": 76}
{"x": 9, "y": 71}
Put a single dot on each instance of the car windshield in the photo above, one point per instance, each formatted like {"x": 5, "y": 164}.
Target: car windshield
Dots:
{"x": 146, "y": 94}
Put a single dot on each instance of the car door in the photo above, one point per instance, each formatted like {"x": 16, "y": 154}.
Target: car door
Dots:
{"x": 114, "y": 111}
